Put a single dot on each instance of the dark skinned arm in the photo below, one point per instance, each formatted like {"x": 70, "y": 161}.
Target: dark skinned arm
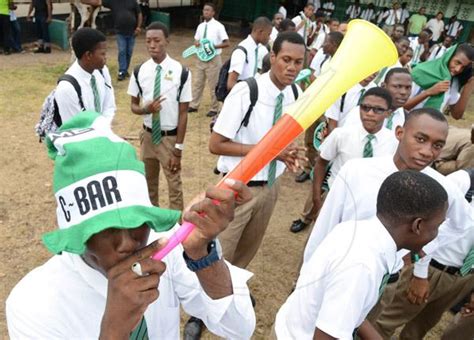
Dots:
{"x": 457, "y": 110}
{"x": 232, "y": 80}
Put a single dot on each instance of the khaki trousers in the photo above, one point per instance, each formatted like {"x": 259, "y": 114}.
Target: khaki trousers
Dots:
{"x": 242, "y": 238}
{"x": 445, "y": 291}
{"x": 383, "y": 303}
{"x": 209, "y": 70}
{"x": 154, "y": 156}
{"x": 464, "y": 160}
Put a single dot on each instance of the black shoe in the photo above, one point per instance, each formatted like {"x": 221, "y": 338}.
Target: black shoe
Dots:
{"x": 7, "y": 52}
{"x": 216, "y": 171}
{"x": 297, "y": 226}
{"x": 193, "y": 329}
{"x": 47, "y": 50}
{"x": 39, "y": 50}
{"x": 121, "y": 76}
{"x": 192, "y": 109}
{"x": 302, "y": 177}
{"x": 211, "y": 114}
{"x": 253, "y": 300}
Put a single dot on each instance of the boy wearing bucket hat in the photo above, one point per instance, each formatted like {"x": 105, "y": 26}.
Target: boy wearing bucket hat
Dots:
{"x": 102, "y": 282}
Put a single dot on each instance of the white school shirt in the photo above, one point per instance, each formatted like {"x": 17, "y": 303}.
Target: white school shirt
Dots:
{"x": 237, "y": 61}
{"x": 405, "y": 15}
{"x": 216, "y": 33}
{"x": 436, "y": 26}
{"x": 452, "y": 254}
{"x": 351, "y": 100}
{"x": 65, "y": 298}
{"x": 68, "y": 101}
{"x": 418, "y": 50}
{"x": 340, "y": 284}
{"x": 316, "y": 4}
{"x": 353, "y": 195}
{"x": 392, "y": 16}
{"x": 345, "y": 143}
{"x": 320, "y": 62}
{"x": 283, "y": 11}
{"x": 453, "y": 28}
{"x": 353, "y": 11}
{"x": 367, "y": 14}
{"x": 437, "y": 51}
{"x": 353, "y": 118}
{"x": 170, "y": 81}
{"x": 233, "y": 112}
{"x": 318, "y": 42}
{"x": 451, "y": 96}
{"x": 309, "y": 26}
{"x": 273, "y": 35}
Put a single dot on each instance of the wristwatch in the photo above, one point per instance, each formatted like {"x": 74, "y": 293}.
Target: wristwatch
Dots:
{"x": 179, "y": 146}
{"x": 214, "y": 251}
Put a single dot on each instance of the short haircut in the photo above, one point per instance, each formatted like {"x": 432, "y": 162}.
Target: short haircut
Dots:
{"x": 261, "y": 23}
{"x": 291, "y": 37}
{"x": 399, "y": 25}
{"x": 309, "y": 4}
{"x": 433, "y": 113}
{"x": 285, "y": 24}
{"x": 331, "y": 20}
{"x": 86, "y": 40}
{"x": 427, "y": 31}
{"x": 409, "y": 49}
{"x": 396, "y": 70}
{"x": 158, "y": 26}
{"x": 210, "y": 4}
{"x": 381, "y": 93}
{"x": 409, "y": 194}
{"x": 404, "y": 37}
{"x": 467, "y": 50}
{"x": 336, "y": 37}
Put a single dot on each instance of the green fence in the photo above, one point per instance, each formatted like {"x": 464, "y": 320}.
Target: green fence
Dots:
{"x": 58, "y": 31}
{"x": 249, "y": 10}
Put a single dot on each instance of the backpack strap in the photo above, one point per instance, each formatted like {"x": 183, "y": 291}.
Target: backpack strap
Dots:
{"x": 243, "y": 49}
{"x": 252, "y": 84}
{"x": 343, "y": 99}
{"x": 184, "y": 78}
{"x": 295, "y": 90}
{"x": 77, "y": 87}
{"x": 135, "y": 74}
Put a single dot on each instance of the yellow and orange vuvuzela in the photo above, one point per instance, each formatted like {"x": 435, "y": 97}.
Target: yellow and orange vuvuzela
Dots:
{"x": 364, "y": 50}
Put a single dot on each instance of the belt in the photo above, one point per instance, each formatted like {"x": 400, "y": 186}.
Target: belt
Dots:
{"x": 173, "y": 132}
{"x": 443, "y": 268}
{"x": 252, "y": 183}
{"x": 393, "y": 278}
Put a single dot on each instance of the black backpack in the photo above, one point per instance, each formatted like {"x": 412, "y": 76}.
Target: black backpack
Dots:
{"x": 221, "y": 87}
{"x": 184, "y": 77}
{"x": 50, "y": 119}
{"x": 253, "y": 89}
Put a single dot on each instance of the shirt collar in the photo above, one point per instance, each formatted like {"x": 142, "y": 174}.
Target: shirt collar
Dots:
{"x": 252, "y": 42}
{"x": 164, "y": 64}
{"x": 363, "y": 133}
{"x": 82, "y": 73}
{"x": 91, "y": 276}
{"x": 387, "y": 245}
{"x": 210, "y": 21}
{"x": 272, "y": 90}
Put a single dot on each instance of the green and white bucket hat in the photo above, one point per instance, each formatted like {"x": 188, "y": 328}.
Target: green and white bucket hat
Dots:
{"x": 98, "y": 183}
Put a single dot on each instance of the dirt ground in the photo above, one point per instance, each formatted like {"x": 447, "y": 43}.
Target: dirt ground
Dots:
{"x": 27, "y": 206}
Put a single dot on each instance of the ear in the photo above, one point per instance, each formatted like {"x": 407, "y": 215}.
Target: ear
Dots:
{"x": 399, "y": 132}
{"x": 416, "y": 225}
{"x": 383, "y": 85}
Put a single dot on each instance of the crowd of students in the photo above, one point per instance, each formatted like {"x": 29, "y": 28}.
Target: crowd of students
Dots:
{"x": 393, "y": 239}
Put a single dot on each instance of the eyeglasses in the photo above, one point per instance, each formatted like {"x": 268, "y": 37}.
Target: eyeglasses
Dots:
{"x": 377, "y": 110}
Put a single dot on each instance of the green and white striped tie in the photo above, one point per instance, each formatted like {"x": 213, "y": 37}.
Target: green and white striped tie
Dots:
{"x": 276, "y": 115}
{"x": 368, "y": 148}
{"x": 362, "y": 91}
{"x": 383, "y": 284}
{"x": 140, "y": 332}
{"x": 156, "y": 124}
{"x": 95, "y": 92}
{"x": 390, "y": 121}
{"x": 205, "y": 31}
{"x": 468, "y": 263}
{"x": 255, "y": 69}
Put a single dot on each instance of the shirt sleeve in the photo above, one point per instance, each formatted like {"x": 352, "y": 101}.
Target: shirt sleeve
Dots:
{"x": 340, "y": 319}
{"x": 186, "y": 93}
{"x": 231, "y": 317}
{"x": 420, "y": 268}
{"x": 333, "y": 111}
{"x": 197, "y": 36}
{"x": 133, "y": 87}
{"x": 232, "y": 113}
{"x": 109, "y": 100}
{"x": 330, "y": 214}
{"x": 67, "y": 101}
{"x": 237, "y": 61}
{"x": 329, "y": 147}
{"x": 223, "y": 33}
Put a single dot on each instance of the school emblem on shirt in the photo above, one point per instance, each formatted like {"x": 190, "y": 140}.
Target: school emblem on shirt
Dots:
{"x": 169, "y": 75}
